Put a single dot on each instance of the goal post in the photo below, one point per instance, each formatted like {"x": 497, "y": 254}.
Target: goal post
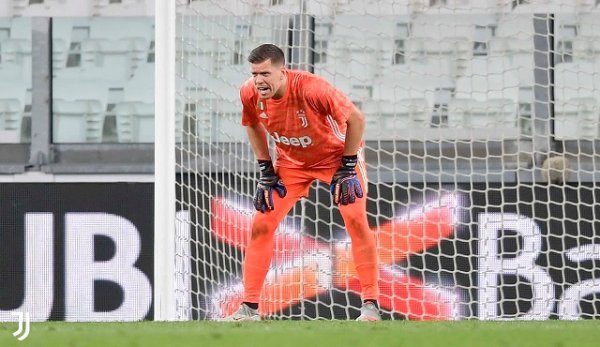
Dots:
{"x": 481, "y": 146}
{"x": 164, "y": 162}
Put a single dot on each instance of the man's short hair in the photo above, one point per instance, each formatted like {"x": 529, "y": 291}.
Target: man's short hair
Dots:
{"x": 267, "y": 51}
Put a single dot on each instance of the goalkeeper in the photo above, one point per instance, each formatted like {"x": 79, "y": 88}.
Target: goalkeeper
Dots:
{"x": 318, "y": 135}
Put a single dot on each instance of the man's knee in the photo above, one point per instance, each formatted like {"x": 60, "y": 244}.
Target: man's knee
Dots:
{"x": 356, "y": 223}
{"x": 261, "y": 230}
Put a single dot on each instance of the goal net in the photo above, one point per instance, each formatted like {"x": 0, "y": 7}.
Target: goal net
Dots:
{"x": 481, "y": 148}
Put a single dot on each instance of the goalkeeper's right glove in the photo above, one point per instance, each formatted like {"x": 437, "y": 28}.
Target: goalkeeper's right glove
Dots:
{"x": 269, "y": 181}
{"x": 345, "y": 186}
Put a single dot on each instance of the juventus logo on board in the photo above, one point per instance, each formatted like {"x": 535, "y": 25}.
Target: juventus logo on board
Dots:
{"x": 303, "y": 119}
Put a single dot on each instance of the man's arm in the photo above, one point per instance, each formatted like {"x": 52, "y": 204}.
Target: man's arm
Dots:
{"x": 354, "y": 132}
{"x": 258, "y": 141}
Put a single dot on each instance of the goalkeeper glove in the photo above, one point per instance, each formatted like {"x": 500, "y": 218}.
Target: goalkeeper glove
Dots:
{"x": 269, "y": 181}
{"x": 345, "y": 186}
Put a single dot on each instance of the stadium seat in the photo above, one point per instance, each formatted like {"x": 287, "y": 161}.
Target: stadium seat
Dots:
{"x": 438, "y": 27}
{"x": 223, "y": 7}
{"x": 385, "y": 118}
{"x": 17, "y": 51}
{"x": 461, "y": 6}
{"x": 486, "y": 97}
{"x": 279, "y": 8}
{"x": 577, "y": 119}
{"x": 586, "y": 48}
{"x": 515, "y": 25}
{"x": 516, "y": 55}
{"x": 496, "y": 115}
{"x": 49, "y": 8}
{"x": 59, "y": 54}
{"x": 539, "y": 6}
{"x": 588, "y": 24}
{"x": 12, "y": 103}
{"x": 419, "y": 80}
{"x": 373, "y": 7}
{"x": 135, "y": 114}
{"x": 77, "y": 121}
{"x": 135, "y": 122}
{"x": 488, "y": 78}
{"x": 453, "y": 52}
{"x": 577, "y": 95}
{"x": 227, "y": 117}
{"x": 79, "y": 110}
{"x": 577, "y": 80}
{"x": 20, "y": 28}
{"x": 118, "y": 58}
{"x": 357, "y": 64}
{"x": 123, "y": 8}
{"x": 115, "y": 28}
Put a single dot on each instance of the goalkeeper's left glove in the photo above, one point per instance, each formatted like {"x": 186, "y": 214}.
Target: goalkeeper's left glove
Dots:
{"x": 345, "y": 186}
{"x": 269, "y": 181}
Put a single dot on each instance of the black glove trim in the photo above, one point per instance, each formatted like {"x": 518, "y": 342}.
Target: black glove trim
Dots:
{"x": 349, "y": 161}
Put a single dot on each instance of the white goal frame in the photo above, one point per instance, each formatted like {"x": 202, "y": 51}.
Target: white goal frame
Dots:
{"x": 164, "y": 163}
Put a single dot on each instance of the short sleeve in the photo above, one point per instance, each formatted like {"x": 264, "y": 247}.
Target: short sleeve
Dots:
{"x": 249, "y": 114}
{"x": 328, "y": 100}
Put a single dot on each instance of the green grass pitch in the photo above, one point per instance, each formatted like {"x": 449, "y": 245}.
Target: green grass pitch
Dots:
{"x": 308, "y": 334}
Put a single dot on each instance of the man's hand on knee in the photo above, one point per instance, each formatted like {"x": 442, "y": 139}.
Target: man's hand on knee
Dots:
{"x": 269, "y": 181}
{"x": 345, "y": 186}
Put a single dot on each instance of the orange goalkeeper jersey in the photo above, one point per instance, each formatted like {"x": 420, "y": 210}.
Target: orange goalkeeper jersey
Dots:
{"x": 308, "y": 124}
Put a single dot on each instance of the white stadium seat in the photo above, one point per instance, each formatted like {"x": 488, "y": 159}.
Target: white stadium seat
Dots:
{"x": 577, "y": 119}
{"x": 74, "y": 8}
{"x": 586, "y": 47}
{"x": 59, "y": 54}
{"x": 220, "y": 8}
{"x": 12, "y": 102}
{"x": 135, "y": 122}
{"x": 77, "y": 121}
{"x": 588, "y": 24}
{"x": 516, "y": 26}
{"x": 577, "y": 96}
{"x": 488, "y": 78}
{"x": 112, "y": 28}
{"x": 496, "y": 114}
{"x": 373, "y": 7}
{"x": 122, "y": 8}
{"x": 385, "y": 118}
{"x": 50, "y": 8}
{"x": 79, "y": 110}
{"x": 135, "y": 114}
{"x": 418, "y": 80}
{"x": 486, "y": 97}
{"x": 15, "y": 77}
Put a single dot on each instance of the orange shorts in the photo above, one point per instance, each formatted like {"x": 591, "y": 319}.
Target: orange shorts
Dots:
{"x": 298, "y": 181}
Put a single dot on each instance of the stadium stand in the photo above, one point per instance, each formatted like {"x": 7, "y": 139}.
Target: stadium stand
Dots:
{"x": 108, "y": 50}
{"x": 577, "y": 111}
{"x": 15, "y": 77}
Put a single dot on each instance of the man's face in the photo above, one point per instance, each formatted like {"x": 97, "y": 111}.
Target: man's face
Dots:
{"x": 268, "y": 79}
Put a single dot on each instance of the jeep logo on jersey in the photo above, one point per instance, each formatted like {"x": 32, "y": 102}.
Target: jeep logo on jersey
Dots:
{"x": 303, "y": 141}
